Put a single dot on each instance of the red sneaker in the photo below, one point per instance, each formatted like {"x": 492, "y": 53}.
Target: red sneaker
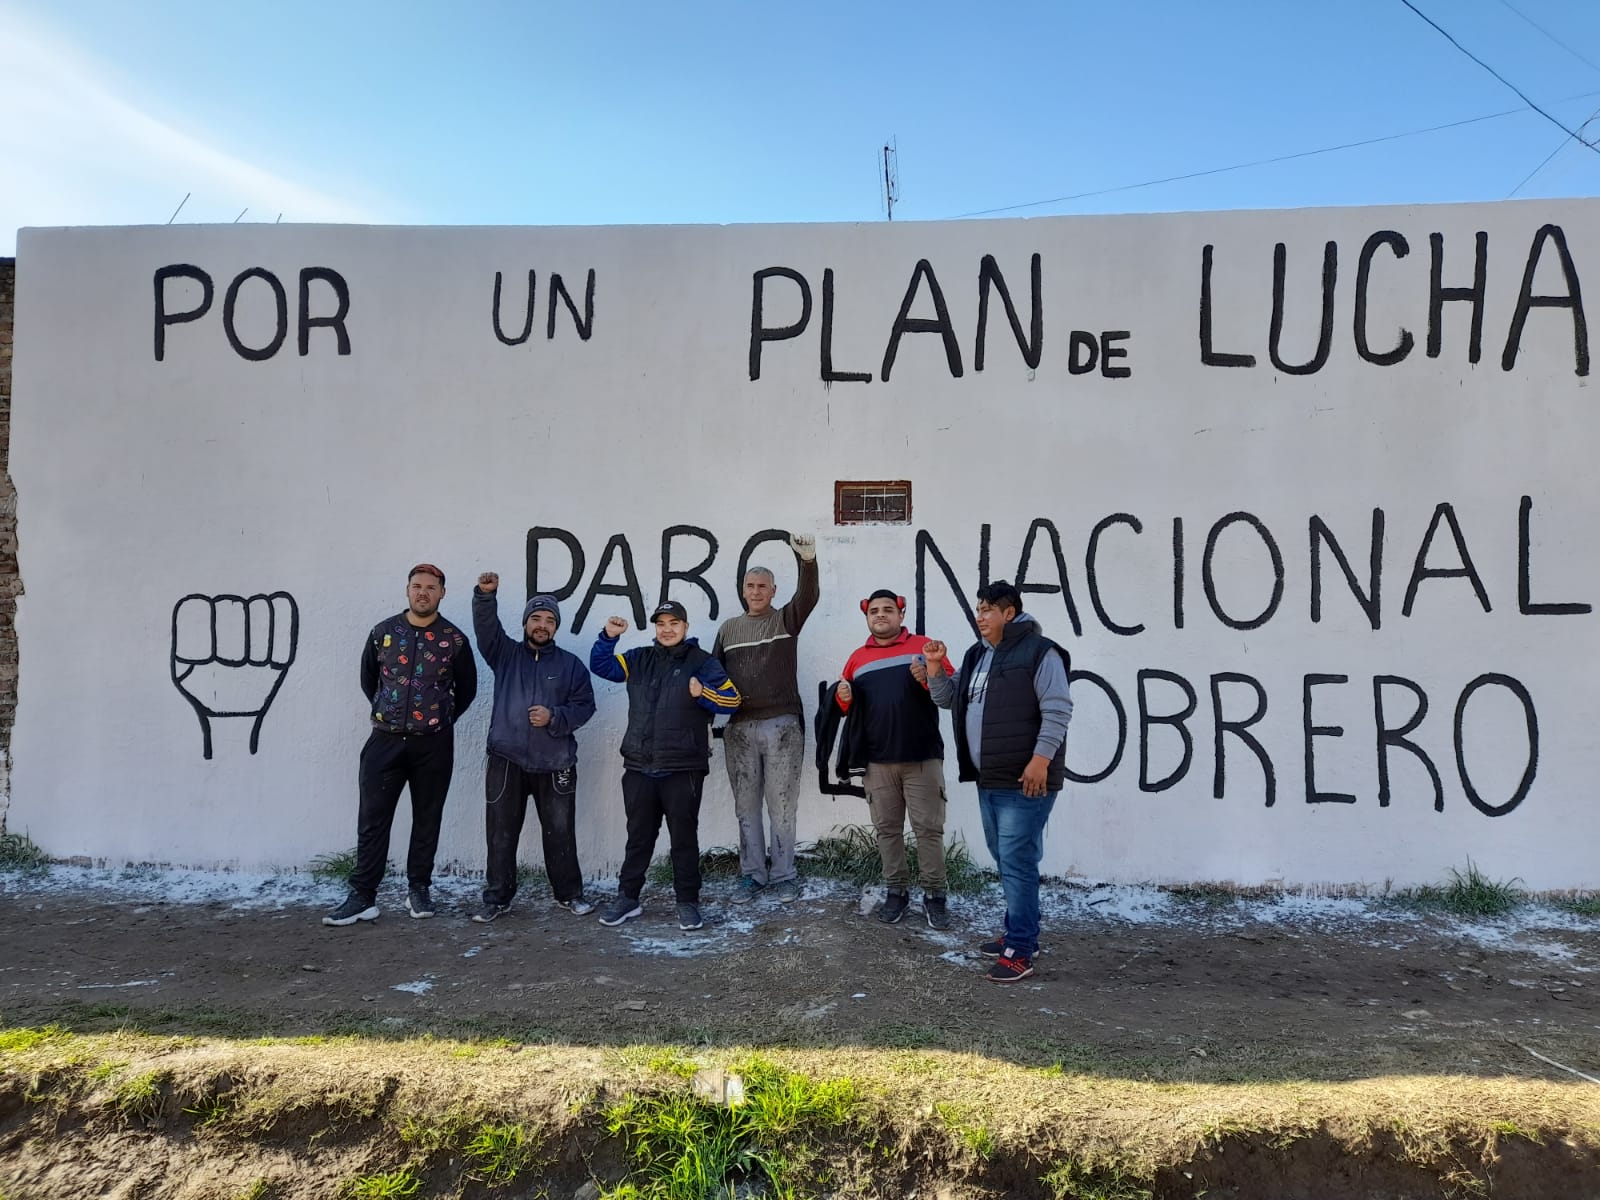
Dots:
{"x": 1009, "y": 968}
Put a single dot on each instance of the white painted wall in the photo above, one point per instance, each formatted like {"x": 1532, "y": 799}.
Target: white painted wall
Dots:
{"x": 326, "y": 476}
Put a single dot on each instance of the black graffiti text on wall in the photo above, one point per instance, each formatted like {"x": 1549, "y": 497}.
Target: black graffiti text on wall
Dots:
{"x": 323, "y": 303}
{"x": 1377, "y": 258}
{"x": 1232, "y": 574}
{"x": 782, "y": 304}
{"x": 230, "y": 655}
{"x": 557, "y": 295}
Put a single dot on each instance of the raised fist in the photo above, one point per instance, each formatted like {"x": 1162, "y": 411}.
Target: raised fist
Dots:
{"x": 804, "y": 545}
{"x": 935, "y": 653}
{"x": 230, "y": 655}
{"x": 488, "y": 582}
{"x": 616, "y": 627}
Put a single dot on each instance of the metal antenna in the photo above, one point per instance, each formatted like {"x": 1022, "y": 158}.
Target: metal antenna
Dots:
{"x": 240, "y": 217}
{"x": 891, "y": 177}
{"x": 179, "y": 209}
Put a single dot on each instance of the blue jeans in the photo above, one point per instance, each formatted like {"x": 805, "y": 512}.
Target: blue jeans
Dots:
{"x": 1013, "y": 827}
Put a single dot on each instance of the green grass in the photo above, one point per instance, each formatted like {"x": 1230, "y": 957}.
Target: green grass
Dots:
{"x": 333, "y": 868}
{"x": 259, "y": 1189}
{"x": 975, "y": 1135}
{"x": 850, "y": 853}
{"x": 19, "y": 853}
{"x": 716, "y": 862}
{"x": 27, "y": 1039}
{"x": 1204, "y": 895}
{"x": 1471, "y": 894}
{"x": 1583, "y": 906}
{"x": 383, "y": 1186}
{"x": 436, "y": 1132}
{"x": 500, "y": 1152}
{"x": 1072, "y": 1180}
{"x": 139, "y": 1098}
{"x": 682, "y": 1147}
{"x": 534, "y": 878}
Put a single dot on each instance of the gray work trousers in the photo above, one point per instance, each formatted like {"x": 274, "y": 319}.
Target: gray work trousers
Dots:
{"x": 896, "y": 791}
{"x": 764, "y": 759}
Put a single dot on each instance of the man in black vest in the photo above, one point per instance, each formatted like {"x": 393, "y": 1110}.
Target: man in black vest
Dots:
{"x": 674, "y": 689}
{"x": 419, "y": 676}
{"x": 1011, "y": 709}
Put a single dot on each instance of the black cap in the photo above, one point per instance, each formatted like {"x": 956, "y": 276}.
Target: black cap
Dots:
{"x": 670, "y": 608}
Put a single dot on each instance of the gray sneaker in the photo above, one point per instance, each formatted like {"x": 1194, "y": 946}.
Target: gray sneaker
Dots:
{"x": 488, "y": 912}
{"x": 786, "y": 892}
{"x": 623, "y": 908}
{"x": 689, "y": 915}
{"x": 578, "y": 906}
{"x": 746, "y": 890}
{"x": 933, "y": 907}
{"x": 355, "y": 908}
{"x": 419, "y": 903}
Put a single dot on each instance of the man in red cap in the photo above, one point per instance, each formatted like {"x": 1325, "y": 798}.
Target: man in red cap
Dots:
{"x": 894, "y": 735}
{"x": 419, "y": 676}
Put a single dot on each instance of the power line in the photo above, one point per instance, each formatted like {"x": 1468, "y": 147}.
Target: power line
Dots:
{"x": 1560, "y": 146}
{"x": 1259, "y": 162}
{"x": 1525, "y": 98}
{"x": 1585, "y": 61}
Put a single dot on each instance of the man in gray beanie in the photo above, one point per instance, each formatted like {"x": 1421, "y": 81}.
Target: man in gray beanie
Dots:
{"x": 542, "y": 695}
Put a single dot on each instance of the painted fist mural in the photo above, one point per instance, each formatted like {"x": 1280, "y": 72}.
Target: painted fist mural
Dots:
{"x": 230, "y": 655}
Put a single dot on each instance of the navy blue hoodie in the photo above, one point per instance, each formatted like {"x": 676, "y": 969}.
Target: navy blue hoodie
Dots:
{"x": 524, "y": 677}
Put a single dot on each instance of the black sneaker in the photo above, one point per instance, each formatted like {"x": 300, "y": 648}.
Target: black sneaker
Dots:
{"x": 577, "y": 905}
{"x": 1009, "y": 967}
{"x": 488, "y": 912}
{"x": 933, "y": 907}
{"x": 419, "y": 904}
{"x": 997, "y": 947}
{"x": 355, "y": 908}
{"x": 894, "y": 906}
{"x": 689, "y": 915}
{"x": 623, "y": 908}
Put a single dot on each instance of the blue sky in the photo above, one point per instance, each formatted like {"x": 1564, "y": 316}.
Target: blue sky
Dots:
{"x": 535, "y": 113}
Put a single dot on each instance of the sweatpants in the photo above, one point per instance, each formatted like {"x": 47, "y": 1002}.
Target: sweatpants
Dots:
{"x": 764, "y": 759}
{"x": 647, "y": 801}
{"x": 389, "y": 763}
{"x": 506, "y": 790}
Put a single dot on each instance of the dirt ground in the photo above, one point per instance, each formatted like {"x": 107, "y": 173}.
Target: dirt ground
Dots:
{"x": 1133, "y": 983}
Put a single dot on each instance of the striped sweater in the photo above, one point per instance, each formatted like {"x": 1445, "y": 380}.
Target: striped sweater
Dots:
{"x": 759, "y": 653}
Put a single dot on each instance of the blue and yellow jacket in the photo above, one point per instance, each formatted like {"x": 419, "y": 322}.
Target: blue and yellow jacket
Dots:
{"x": 668, "y": 728}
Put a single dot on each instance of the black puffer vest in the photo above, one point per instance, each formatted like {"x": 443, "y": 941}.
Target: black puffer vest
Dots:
{"x": 1011, "y": 709}
{"x": 667, "y": 728}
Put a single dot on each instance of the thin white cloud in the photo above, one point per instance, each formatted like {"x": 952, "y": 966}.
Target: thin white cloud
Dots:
{"x": 75, "y": 151}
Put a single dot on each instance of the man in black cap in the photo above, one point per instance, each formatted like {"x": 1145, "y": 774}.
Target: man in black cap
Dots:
{"x": 419, "y": 676}
{"x": 674, "y": 689}
{"x": 542, "y": 696}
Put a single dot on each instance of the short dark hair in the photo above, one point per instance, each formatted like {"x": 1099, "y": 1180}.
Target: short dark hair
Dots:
{"x": 1000, "y": 594}
{"x": 426, "y": 569}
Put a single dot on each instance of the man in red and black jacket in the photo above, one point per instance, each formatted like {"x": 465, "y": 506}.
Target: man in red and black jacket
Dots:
{"x": 419, "y": 676}
{"x": 894, "y": 735}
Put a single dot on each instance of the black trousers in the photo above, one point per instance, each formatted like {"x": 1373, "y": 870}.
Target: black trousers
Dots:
{"x": 389, "y": 762}
{"x": 647, "y": 801}
{"x": 506, "y": 790}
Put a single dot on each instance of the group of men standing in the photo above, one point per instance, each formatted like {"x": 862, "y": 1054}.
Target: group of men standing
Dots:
{"x": 1009, "y": 698}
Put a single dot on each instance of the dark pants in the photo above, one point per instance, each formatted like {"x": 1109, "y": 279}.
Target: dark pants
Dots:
{"x": 506, "y": 790}
{"x": 646, "y": 801}
{"x": 390, "y": 761}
